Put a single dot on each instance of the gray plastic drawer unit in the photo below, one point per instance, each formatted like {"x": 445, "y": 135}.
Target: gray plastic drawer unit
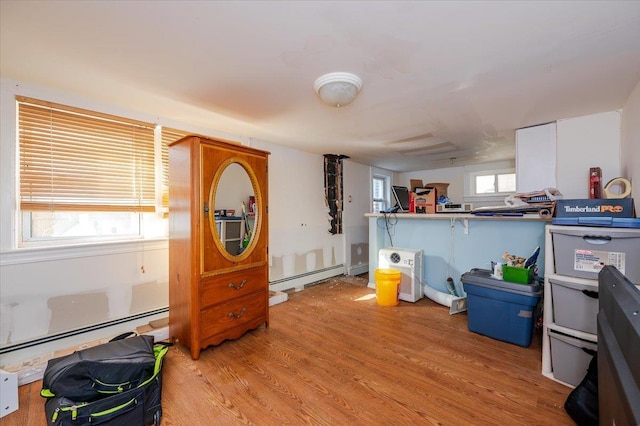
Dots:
{"x": 570, "y": 357}
{"x": 583, "y": 252}
{"x": 574, "y": 305}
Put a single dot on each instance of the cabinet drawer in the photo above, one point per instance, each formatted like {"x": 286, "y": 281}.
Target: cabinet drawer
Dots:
{"x": 574, "y": 305}
{"x": 234, "y": 284}
{"x": 582, "y": 252}
{"x": 570, "y": 357}
{"x": 234, "y": 316}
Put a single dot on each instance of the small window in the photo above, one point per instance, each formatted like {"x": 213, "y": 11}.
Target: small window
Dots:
{"x": 380, "y": 191}
{"x": 492, "y": 183}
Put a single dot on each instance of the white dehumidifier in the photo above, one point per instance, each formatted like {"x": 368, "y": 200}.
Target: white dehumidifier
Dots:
{"x": 409, "y": 263}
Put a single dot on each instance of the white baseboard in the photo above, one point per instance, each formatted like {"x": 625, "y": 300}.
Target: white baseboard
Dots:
{"x": 358, "y": 270}
{"x": 24, "y": 353}
{"x": 299, "y": 281}
{"x": 30, "y": 370}
{"x": 278, "y": 297}
{"x": 159, "y": 334}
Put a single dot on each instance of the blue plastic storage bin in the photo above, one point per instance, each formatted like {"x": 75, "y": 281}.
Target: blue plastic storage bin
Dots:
{"x": 500, "y": 309}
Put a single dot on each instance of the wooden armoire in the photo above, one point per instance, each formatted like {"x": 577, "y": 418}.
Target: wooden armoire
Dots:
{"x": 215, "y": 295}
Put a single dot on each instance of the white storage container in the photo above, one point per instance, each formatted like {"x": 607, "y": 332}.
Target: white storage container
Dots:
{"x": 574, "y": 305}
{"x": 583, "y": 252}
{"x": 570, "y": 357}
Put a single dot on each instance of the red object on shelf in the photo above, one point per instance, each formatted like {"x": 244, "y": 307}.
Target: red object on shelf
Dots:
{"x": 595, "y": 182}
{"x": 252, "y": 206}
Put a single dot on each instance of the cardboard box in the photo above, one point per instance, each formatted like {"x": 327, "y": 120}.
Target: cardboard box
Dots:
{"x": 415, "y": 183}
{"x": 441, "y": 187}
{"x": 425, "y": 202}
{"x": 596, "y": 207}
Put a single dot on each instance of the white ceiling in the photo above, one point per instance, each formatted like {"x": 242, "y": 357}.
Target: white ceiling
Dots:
{"x": 442, "y": 80}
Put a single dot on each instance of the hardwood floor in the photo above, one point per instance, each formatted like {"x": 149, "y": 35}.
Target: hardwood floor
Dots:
{"x": 332, "y": 356}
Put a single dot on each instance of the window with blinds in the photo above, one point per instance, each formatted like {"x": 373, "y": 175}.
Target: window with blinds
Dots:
{"x": 168, "y": 136}
{"x": 77, "y": 160}
{"x": 380, "y": 189}
{"x": 88, "y": 174}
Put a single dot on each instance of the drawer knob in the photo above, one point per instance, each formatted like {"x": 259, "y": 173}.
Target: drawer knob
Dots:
{"x": 236, "y": 316}
{"x": 237, "y": 287}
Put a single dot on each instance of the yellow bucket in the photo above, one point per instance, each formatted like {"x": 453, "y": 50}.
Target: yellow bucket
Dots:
{"x": 387, "y": 286}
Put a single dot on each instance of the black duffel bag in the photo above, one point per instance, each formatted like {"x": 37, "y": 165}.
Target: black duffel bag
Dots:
{"x": 582, "y": 403}
{"x": 115, "y": 383}
{"x": 109, "y": 368}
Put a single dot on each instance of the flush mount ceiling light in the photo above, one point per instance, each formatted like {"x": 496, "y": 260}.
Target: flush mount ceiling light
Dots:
{"x": 338, "y": 88}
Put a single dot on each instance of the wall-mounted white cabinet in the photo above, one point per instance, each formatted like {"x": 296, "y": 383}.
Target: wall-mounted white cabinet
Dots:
{"x": 536, "y": 158}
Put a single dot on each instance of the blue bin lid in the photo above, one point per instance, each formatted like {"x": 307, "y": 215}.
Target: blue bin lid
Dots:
{"x": 484, "y": 278}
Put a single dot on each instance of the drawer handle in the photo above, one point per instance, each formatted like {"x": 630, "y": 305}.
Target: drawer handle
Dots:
{"x": 590, "y": 293}
{"x": 237, "y": 287}
{"x": 236, "y": 316}
{"x": 597, "y": 239}
{"x": 589, "y": 351}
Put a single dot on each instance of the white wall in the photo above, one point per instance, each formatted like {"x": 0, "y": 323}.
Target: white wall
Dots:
{"x": 357, "y": 202}
{"x": 109, "y": 276}
{"x": 630, "y": 150}
{"x": 585, "y": 142}
{"x": 233, "y": 189}
{"x": 55, "y": 289}
{"x": 299, "y": 238}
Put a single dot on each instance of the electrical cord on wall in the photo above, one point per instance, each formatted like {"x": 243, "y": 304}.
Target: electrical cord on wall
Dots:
{"x": 451, "y": 286}
{"x": 390, "y": 220}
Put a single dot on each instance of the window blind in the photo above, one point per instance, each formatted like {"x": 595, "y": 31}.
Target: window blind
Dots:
{"x": 77, "y": 160}
{"x": 168, "y": 136}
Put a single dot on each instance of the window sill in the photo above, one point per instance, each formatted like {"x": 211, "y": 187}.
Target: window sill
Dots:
{"x": 486, "y": 198}
{"x": 41, "y": 254}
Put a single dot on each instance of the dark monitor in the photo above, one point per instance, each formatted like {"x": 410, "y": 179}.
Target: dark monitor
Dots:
{"x": 401, "y": 197}
{"x": 618, "y": 348}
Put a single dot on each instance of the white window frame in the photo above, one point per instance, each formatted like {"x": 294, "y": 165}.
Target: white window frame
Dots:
{"x": 150, "y": 226}
{"x": 470, "y": 193}
{"x": 387, "y": 191}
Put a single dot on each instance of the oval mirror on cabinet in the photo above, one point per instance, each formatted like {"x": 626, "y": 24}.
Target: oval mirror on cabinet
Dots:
{"x": 233, "y": 198}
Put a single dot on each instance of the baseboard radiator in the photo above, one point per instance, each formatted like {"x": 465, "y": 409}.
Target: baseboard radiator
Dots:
{"x": 299, "y": 281}
{"x": 29, "y": 358}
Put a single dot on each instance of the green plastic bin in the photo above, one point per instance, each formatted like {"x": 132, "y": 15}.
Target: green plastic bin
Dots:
{"x": 517, "y": 275}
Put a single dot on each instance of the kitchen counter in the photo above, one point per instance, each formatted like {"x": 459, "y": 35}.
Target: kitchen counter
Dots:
{"x": 453, "y": 244}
